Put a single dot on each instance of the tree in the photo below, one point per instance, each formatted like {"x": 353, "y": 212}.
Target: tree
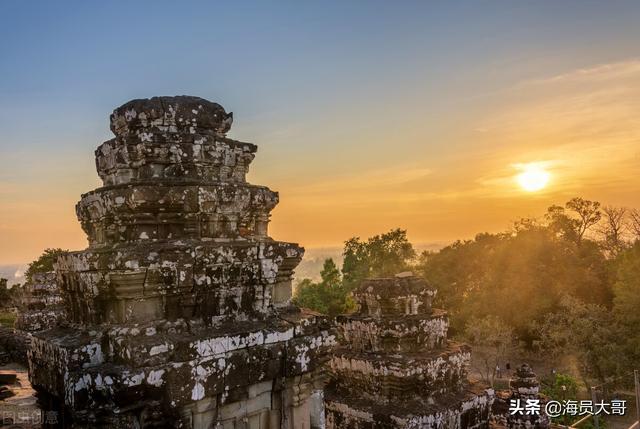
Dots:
{"x": 588, "y": 213}
{"x": 44, "y": 263}
{"x": 458, "y": 272}
{"x": 613, "y": 229}
{"x": 309, "y": 295}
{"x": 330, "y": 274}
{"x": 562, "y": 387}
{"x": 627, "y": 287}
{"x": 626, "y": 303}
{"x": 560, "y": 223}
{"x": 491, "y": 339}
{"x": 382, "y": 255}
{"x": 328, "y": 296}
{"x": 553, "y": 335}
{"x": 634, "y": 216}
{"x": 587, "y": 331}
{"x": 518, "y": 276}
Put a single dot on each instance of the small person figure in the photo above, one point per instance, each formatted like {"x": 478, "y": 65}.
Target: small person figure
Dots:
{"x": 498, "y": 371}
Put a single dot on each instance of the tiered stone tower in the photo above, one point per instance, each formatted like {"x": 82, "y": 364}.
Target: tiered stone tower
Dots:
{"x": 179, "y": 310}
{"x": 41, "y": 305}
{"x": 396, "y": 368}
{"x": 523, "y": 386}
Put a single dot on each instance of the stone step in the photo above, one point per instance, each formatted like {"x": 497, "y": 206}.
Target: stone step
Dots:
{"x": 401, "y": 376}
{"x": 468, "y": 408}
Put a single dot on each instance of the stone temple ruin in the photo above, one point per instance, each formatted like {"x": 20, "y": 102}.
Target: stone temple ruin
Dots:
{"x": 179, "y": 311}
{"x": 396, "y": 368}
{"x": 41, "y": 305}
{"x": 523, "y": 386}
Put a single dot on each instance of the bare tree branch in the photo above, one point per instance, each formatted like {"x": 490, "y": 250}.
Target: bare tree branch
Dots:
{"x": 634, "y": 223}
{"x": 614, "y": 228}
{"x": 588, "y": 213}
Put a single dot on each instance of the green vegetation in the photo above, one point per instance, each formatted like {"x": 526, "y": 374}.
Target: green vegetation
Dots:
{"x": 7, "y": 318}
{"x": 491, "y": 339}
{"x": 562, "y": 387}
{"x": 44, "y": 263}
{"x": 382, "y": 255}
{"x": 329, "y": 296}
{"x": 567, "y": 283}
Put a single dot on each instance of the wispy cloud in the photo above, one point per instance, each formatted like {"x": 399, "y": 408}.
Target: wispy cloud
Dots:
{"x": 369, "y": 180}
{"x": 596, "y": 73}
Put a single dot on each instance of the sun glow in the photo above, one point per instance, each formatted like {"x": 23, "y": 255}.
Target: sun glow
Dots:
{"x": 533, "y": 177}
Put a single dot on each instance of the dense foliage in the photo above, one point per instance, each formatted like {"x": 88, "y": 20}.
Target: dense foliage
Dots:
{"x": 44, "y": 263}
{"x": 329, "y": 296}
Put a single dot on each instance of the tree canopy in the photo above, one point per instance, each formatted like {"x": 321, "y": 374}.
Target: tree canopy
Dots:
{"x": 44, "y": 263}
{"x": 380, "y": 256}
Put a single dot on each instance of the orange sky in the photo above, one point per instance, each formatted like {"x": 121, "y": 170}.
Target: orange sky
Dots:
{"x": 582, "y": 125}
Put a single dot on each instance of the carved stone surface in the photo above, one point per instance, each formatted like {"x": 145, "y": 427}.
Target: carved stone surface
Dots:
{"x": 523, "y": 386}
{"x": 41, "y": 305}
{"x": 395, "y": 367}
{"x": 180, "y": 309}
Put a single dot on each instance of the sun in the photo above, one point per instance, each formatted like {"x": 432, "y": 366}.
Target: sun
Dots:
{"x": 533, "y": 177}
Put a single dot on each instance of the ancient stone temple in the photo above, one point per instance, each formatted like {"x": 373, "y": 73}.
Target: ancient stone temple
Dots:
{"x": 180, "y": 309}
{"x": 41, "y": 305}
{"x": 509, "y": 407}
{"x": 395, "y": 367}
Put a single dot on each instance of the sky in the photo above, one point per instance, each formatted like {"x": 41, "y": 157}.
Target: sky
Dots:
{"x": 368, "y": 115}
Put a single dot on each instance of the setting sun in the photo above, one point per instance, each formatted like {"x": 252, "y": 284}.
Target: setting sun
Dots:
{"x": 533, "y": 177}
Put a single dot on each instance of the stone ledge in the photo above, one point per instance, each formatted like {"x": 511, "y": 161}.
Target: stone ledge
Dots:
{"x": 143, "y": 212}
{"x": 392, "y": 334}
{"x": 220, "y": 359}
{"x": 161, "y": 157}
{"x": 467, "y": 409}
{"x": 179, "y": 114}
{"x": 430, "y": 372}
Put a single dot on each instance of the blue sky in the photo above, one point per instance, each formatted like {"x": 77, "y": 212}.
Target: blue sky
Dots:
{"x": 330, "y": 91}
